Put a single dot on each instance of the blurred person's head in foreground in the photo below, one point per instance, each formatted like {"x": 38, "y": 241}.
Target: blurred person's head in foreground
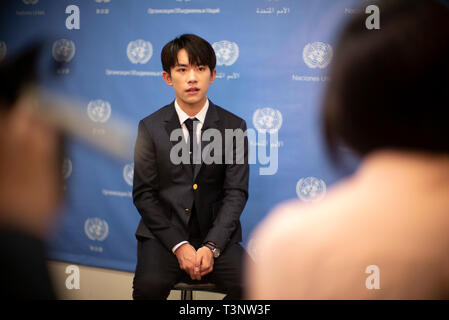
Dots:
{"x": 390, "y": 87}
{"x": 387, "y": 102}
{"x": 31, "y": 151}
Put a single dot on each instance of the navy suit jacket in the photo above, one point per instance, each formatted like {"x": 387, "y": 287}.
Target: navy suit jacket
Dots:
{"x": 164, "y": 192}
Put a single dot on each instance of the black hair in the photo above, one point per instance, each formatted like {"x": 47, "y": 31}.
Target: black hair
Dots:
{"x": 200, "y": 52}
{"x": 16, "y": 73}
{"x": 389, "y": 88}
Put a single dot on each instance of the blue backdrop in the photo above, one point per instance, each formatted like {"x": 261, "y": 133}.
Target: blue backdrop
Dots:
{"x": 273, "y": 58}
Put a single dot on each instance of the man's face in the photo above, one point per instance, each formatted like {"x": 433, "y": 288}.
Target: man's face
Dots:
{"x": 190, "y": 82}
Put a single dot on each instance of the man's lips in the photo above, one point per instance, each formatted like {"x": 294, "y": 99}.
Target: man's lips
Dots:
{"x": 193, "y": 90}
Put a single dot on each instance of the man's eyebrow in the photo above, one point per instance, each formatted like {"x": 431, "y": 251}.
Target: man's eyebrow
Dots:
{"x": 187, "y": 65}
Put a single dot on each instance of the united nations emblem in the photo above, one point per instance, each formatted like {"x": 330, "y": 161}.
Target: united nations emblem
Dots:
{"x": 226, "y": 52}
{"x": 3, "y": 50}
{"x": 128, "y": 173}
{"x": 96, "y": 229}
{"x": 30, "y": 1}
{"x": 310, "y": 189}
{"x": 99, "y": 110}
{"x": 66, "y": 168}
{"x": 139, "y": 51}
{"x": 317, "y": 55}
{"x": 267, "y": 120}
{"x": 63, "y": 50}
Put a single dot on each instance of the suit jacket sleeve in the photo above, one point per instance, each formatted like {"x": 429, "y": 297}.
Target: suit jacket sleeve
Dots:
{"x": 146, "y": 189}
{"x": 235, "y": 188}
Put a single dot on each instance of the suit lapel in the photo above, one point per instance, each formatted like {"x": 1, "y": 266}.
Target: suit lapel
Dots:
{"x": 172, "y": 123}
{"x": 211, "y": 121}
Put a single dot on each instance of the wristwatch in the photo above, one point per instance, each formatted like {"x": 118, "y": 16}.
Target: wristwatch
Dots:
{"x": 215, "y": 251}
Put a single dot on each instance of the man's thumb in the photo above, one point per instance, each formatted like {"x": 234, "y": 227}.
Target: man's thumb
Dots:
{"x": 198, "y": 261}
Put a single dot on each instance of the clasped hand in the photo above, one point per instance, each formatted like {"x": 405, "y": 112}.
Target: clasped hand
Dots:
{"x": 196, "y": 263}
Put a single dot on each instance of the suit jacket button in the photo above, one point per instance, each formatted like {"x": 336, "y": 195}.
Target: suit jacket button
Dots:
{"x": 195, "y": 186}
{"x": 187, "y": 210}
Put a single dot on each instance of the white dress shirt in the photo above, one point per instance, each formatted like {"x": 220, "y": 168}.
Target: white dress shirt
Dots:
{"x": 200, "y": 116}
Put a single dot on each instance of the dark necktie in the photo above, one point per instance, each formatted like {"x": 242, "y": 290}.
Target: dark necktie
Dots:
{"x": 194, "y": 228}
{"x": 189, "y": 125}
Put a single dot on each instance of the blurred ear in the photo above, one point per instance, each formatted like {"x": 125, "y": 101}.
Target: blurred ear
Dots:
{"x": 167, "y": 78}
{"x": 213, "y": 75}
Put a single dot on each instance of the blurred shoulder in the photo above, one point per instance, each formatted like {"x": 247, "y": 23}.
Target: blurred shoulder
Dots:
{"x": 305, "y": 223}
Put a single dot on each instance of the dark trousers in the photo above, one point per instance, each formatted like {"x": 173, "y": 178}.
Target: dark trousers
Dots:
{"x": 158, "y": 270}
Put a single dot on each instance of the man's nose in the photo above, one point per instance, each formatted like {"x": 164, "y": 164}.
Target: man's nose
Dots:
{"x": 191, "y": 76}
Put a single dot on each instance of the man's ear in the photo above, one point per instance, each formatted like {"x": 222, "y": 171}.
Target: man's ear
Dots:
{"x": 213, "y": 75}
{"x": 167, "y": 78}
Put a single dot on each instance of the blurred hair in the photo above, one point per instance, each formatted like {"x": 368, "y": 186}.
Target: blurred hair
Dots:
{"x": 16, "y": 73}
{"x": 200, "y": 52}
{"x": 389, "y": 88}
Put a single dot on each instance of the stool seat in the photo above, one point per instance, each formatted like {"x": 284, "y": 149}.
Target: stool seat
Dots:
{"x": 194, "y": 286}
{"x": 187, "y": 287}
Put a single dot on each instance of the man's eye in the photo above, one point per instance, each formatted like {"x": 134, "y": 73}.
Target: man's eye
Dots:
{"x": 181, "y": 69}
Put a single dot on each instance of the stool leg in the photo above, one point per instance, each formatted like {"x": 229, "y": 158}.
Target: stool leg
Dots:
{"x": 186, "y": 294}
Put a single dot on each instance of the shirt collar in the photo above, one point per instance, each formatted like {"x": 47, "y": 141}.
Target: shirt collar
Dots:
{"x": 201, "y": 115}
